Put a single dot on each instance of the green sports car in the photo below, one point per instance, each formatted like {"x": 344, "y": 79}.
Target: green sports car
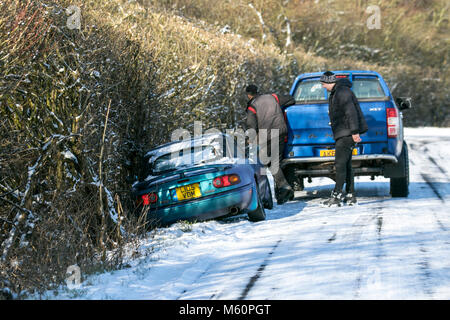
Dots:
{"x": 203, "y": 178}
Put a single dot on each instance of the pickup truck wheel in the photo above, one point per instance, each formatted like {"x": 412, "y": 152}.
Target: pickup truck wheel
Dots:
{"x": 400, "y": 186}
{"x": 258, "y": 214}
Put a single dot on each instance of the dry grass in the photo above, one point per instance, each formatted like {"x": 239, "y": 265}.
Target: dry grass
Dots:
{"x": 411, "y": 49}
{"x": 158, "y": 72}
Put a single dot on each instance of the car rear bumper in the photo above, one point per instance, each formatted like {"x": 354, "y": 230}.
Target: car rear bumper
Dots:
{"x": 206, "y": 208}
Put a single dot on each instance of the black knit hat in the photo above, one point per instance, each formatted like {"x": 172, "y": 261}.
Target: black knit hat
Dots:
{"x": 252, "y": 89}
{"x": 328, "y": 77}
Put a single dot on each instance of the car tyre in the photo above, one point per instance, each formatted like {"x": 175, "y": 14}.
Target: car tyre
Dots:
{"x": 258, "y": 214}
{"x": 399, "y": 187}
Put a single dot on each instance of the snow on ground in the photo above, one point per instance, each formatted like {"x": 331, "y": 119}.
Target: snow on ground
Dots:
{"x": 384, "y": 248}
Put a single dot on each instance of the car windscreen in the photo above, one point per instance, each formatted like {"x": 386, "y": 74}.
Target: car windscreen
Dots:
{"x": 185, "y": 158}
{"x": 367, "y": 88}
{"x": 309, "y": 90}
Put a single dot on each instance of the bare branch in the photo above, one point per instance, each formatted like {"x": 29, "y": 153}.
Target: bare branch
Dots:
{"x": 100, "y": 174}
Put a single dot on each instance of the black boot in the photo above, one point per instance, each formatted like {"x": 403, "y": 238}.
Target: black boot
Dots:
{"x": 335, "y": 200}
{"x": 284, "y": 194}
{"x": 350, "y": 199}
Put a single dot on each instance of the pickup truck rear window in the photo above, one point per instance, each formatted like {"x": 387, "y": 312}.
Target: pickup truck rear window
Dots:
{"x": 367, "y": 88}
{"x": 364, "y": 88}
{"x": 310, "y": 90}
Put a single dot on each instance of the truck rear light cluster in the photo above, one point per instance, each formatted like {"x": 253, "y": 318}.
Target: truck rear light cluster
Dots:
{"x": 226, "y": 181}
{"x": 150, "y": 198}
{"x": 392, "y": 122}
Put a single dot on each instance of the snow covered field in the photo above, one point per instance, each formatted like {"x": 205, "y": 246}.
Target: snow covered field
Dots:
{"x": 384, "y": 248}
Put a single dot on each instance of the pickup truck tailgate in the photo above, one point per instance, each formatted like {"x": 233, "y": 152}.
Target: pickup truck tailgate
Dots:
{"x": 309, "y": 129}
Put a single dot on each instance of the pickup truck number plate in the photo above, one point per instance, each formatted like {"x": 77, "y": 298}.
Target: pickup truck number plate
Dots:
{"x": 332, "y": 152}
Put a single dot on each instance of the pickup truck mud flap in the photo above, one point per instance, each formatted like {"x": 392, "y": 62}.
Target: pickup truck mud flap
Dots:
{"x": 399, "y": 169}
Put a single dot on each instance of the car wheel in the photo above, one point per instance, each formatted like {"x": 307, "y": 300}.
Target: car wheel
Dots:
{"x": 268, "y": 199}
{"x": 400, "y": 186}
{"x": 258, "y": 214}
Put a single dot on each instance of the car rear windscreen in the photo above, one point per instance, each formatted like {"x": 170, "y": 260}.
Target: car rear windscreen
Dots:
{"x": 181, "y": 158}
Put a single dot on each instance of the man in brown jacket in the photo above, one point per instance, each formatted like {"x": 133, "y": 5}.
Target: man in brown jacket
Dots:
{"x": 264, "y": 113}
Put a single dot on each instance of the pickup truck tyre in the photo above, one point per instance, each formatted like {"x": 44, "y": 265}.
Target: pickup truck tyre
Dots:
{"x": 258, "y": 214}
{"x": 400, "y": 186}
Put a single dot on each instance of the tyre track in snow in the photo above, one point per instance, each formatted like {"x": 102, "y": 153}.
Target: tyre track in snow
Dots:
{"x": 422, "y": 152}
{"x": 209, "y": 268}
{"x": 367, "y": 227}
{"x": 433, "y": 187}
{"x": 203, "y": 273}
{"x": 362, "y": 225}
{"x": 360, "y": 228}
{"x": 258, "y": 273}
{"x": 217, "y": 294}
{"x": 425, "y": 270}
{"x": 369, "y": 264}
{"x": 432, "y": 174}
{"x": 230, "y": 288}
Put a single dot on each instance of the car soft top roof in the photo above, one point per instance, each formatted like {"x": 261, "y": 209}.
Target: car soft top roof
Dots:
{"x": 214, "y": 139}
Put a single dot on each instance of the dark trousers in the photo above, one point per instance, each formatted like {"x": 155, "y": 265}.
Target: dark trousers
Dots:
{"x": 343, "y": 165}
{"x": 275, "y": 162}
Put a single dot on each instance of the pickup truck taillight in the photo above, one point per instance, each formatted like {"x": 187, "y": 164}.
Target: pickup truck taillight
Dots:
{"x": 392, "y": 122}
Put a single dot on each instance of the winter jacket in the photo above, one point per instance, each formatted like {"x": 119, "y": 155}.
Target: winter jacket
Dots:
{"x": 285, "y": 100}
{"x": 345, "y": 114}
{"x": 264, "y": 112}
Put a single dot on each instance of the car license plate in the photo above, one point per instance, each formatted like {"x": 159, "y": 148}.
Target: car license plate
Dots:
{"x": 189, "y": 191}
{"x": 332, "y": 152}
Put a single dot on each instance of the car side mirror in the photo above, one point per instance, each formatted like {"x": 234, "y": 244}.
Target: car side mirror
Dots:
{"x": 403, "y": 103}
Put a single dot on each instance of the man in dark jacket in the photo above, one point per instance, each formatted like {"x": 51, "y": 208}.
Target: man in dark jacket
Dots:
{"x": 347, "y": 123}
{"x": 264, "y": 113}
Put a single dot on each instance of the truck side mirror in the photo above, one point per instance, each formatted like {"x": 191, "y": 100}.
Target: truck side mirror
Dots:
{"x": 403, "y": 103}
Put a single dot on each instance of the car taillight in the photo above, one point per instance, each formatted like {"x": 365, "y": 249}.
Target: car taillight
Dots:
{"x": 392, "y": 122}
{"x": 226, "y": 181}
{"x": 147, "y": 199}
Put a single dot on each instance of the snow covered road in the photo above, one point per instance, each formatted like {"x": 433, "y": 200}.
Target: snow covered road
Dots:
{"x": 384, "y": 248}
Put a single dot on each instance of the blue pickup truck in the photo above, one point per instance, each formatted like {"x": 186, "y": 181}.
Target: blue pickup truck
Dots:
{"x": 310, "y": 146}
